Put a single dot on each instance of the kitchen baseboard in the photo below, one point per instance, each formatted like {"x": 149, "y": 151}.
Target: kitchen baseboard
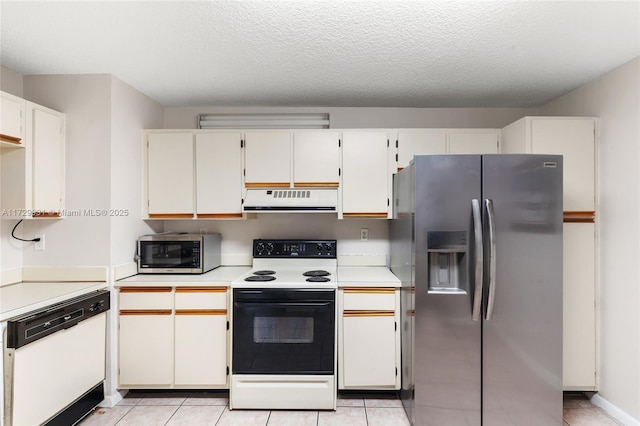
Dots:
{"x": 614, "y": 411}
{"x": 112, "y": 400}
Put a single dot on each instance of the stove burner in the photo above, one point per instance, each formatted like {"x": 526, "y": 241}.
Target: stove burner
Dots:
{"x": 318, "y": 279}
{"x": 260, "y": 278}
{"x": 265, "y": 272}
{"x": 316, "y": 273}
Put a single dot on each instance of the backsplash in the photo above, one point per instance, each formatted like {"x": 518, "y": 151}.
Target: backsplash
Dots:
{"x": 238, "y": 235}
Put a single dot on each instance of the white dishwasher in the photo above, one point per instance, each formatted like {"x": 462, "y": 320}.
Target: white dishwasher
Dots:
{"x": 54, "y": 362}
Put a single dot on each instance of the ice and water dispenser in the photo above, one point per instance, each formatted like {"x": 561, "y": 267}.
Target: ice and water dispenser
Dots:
{"x": 447, "y": 257}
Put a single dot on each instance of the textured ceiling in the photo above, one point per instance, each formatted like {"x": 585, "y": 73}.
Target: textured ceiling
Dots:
{"x": 327, "y": 53}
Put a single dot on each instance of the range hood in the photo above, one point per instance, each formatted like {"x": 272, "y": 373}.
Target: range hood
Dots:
{"x": 291, "y": 201}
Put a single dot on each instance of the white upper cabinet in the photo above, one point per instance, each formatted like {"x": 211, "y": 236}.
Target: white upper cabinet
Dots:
{"x": 11, "y": 119}
{"x": 45, "y": 130}
{"x": 445, "y": 141}
{"x": 473, "y": 142}
{"x": 219, "y": 175}
{"x": 419, "y": 142}
{"x": 267, "y": 159}
{"x": 572, "y": 137}
{"x": 32, "y": 172}
{"x": 367, "y": 168}
{"x": 316, "y": 158}
{"x": 170, "y": 175}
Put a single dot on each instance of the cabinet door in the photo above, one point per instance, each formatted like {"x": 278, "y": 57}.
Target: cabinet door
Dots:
{"x": 316, "y": 159}
{"x": 201, "y": 349}
{"x": 575, "y": 140}
{"x": 170, "y": 175}
{"x": 11, "y": 119}
{"x": 365, "y": 174}
{"x": 46, "y": 131}
{"x": 579, "y": 291}
{"x": 417, "y": 142}
{"x": 267, "y": 159}
{"x": 369, "y": 350}
{"x": 219, "y": 175}
{"x": 473, "y": 143}
{"x": 146, "y": 350}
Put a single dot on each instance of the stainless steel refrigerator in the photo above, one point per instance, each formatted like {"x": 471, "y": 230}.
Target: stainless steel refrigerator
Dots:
{"x": 477, "y": 243}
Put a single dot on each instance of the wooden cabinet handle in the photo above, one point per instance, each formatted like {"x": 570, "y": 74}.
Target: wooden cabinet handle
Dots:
{"x": 10, "y": 139}
{"x": 365, "y": 214}
{"x": 145, "y": 290}
{"x": 364, "y": 313}
{"x": 369, "y": 290}
{"x": 201, "y": 312}
{"x": 170, "y": 215}
{"x": 201, "y": 289}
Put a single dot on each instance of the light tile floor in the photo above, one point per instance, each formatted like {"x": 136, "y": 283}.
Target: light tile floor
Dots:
{"x": 212, "y": 408}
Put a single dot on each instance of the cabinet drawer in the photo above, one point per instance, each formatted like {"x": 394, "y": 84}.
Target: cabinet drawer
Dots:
{"x": 146, "y": 298}
{"x": 369, "y": 299}
{"x": 201, "y": 298}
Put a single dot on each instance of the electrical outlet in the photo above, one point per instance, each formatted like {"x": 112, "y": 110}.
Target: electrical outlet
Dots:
{"x": 364, "y": 234}
{"x": 39, "y": 245}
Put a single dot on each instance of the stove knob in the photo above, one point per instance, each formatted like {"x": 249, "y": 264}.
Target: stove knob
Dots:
{"x": 319, "y": 248}
{"x": 328, "y": 248}
{"x": 260, "y": 248}
{"x": 269, "y": 248}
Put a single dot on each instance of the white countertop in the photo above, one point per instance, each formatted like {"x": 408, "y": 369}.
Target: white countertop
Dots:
{"x": 366, "y": 276}
{"x": 22, "y": 297}
{"x": 221, "y": 276}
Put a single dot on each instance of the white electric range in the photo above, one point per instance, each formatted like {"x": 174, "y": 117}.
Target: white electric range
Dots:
{"x": 283, "y": 327}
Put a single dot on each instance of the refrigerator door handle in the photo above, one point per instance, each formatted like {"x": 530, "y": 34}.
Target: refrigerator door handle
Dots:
{"x": 492, "y": 257}
{"x": 479, "y": 261}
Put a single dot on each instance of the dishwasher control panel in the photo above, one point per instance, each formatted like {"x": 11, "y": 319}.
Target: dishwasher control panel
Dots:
{"x": 40, "y": 323}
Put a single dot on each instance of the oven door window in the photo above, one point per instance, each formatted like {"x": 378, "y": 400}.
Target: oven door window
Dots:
{"x": 284, "y": 336}
{"x": 169, "y": 254}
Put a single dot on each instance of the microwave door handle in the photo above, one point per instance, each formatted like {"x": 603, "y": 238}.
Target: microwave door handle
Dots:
{"x": 492, "y": 257}
{"x": 479, "y": 261}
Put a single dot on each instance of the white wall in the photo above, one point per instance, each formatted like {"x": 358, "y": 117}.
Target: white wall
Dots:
{"x": 11, "y": 81}
{"x": 10, "y": 249}
{"x": 237, "y": 235}
{"x": 131, "y": 112}
{"x": 85, "y": 99}
{"x": 615, "y": 98}
{"x": 341, "y": 118}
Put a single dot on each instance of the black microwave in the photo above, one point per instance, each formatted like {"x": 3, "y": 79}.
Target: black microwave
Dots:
{"x": 178, "y": 253}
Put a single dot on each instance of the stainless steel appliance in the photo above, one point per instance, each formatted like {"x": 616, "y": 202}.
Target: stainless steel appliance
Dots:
{"x": 54, "y": 362}
{"x": 477, "y": 244}
{"x": 283, "y": 327}
{"x": 178, "y": 253}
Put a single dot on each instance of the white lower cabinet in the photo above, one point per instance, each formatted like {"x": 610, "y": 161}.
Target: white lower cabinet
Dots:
{"x": 146, "y": 349}
{"x": 200, "y": 349}
{"x": 173, "y": 337}
{"x": 368, "y": 339}
{"x": 579, "y": 307}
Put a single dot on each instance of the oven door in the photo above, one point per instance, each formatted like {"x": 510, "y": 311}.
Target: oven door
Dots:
{"x": 283, "y": 331}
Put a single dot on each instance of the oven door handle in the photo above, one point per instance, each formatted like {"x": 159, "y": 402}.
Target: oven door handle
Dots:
{"x": 274, "y": 303}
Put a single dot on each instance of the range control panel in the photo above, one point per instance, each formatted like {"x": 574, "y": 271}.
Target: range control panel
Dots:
{"x": 307, "y": 249}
